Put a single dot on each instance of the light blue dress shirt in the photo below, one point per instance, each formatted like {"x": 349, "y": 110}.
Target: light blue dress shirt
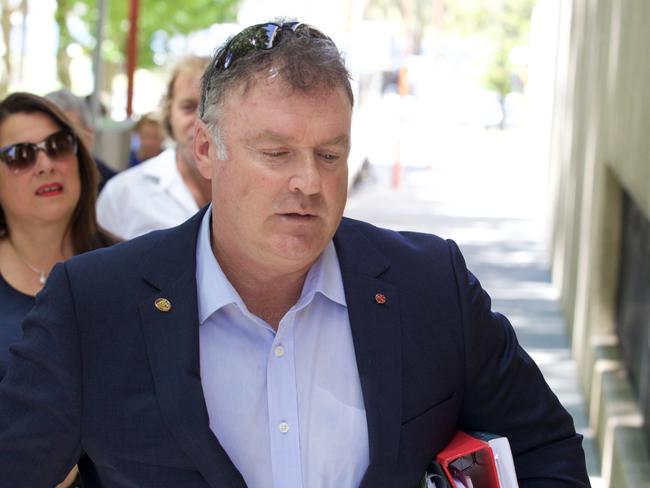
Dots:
{"x": 287, "y": 407}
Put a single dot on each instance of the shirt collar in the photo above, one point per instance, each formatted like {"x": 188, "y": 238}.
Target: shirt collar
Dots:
{"x": 213, "y": 288}
{"x": 162, "y": 168}
{"x": 324, "y": 277}
{"x": 215, "y": 291}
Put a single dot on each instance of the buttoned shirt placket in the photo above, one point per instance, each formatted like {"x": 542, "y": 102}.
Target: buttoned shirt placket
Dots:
{"x": 284, "y": 431}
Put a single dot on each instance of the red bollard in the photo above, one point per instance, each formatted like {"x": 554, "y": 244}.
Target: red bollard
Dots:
{"x": 396, "y": 180}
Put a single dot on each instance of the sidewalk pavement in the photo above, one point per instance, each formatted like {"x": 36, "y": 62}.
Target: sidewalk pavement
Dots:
{"x": 500, "y": 233}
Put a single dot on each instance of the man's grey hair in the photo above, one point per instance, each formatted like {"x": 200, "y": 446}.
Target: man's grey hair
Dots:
{"x": 69, "y": 102}
{"x": 305, "y": 64}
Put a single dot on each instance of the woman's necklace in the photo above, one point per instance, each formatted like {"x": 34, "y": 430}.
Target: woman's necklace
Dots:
{"x": 42, "y": 275}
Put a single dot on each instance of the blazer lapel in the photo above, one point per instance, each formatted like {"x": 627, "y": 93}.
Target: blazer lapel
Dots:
{"x": 373, "y": 308}
{"x": 172, "y": 339}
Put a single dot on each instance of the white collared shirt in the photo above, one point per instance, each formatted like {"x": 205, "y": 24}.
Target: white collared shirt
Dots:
{"x": 149, "y": 196}
{"x": 287, "y": 407}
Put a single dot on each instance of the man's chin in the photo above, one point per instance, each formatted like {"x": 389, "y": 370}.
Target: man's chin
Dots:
{"x": 299, "y": 250}
{"x": 186, "y": 154}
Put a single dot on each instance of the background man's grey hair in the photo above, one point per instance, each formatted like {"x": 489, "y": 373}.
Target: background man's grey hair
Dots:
{"x": 306, "y": 64}
{"x": 69, "y": 102}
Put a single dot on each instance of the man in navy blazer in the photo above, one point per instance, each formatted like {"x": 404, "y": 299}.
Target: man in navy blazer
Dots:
{"x": 113, "y": 364}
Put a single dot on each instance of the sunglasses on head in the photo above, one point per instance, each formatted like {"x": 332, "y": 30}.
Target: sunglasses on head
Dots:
{"x": 22, "y": 156}
{"x": 262, "y": 37}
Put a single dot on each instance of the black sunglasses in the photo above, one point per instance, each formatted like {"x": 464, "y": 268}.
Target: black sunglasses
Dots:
{"x": 262, "y": 37}
{"x": 22, "y": 156}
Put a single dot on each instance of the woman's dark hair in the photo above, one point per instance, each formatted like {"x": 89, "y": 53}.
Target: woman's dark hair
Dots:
{"x": 83, "y": 228}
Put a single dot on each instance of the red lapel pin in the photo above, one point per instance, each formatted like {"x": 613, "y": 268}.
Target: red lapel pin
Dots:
{"x": 380, "y": 298}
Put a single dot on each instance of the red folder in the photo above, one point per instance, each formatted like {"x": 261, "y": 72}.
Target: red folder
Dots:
{"x": 467, "y": 457}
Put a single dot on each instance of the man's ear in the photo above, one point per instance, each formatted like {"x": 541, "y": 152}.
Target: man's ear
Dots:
{"x": 203, "y": 146}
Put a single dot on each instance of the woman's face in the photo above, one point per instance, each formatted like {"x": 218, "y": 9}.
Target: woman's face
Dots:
{"x": 45, "y": 193}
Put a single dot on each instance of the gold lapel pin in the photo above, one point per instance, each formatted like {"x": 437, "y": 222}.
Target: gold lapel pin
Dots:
{"x": 380, "y": 298}
{"x": 163, "y": 304}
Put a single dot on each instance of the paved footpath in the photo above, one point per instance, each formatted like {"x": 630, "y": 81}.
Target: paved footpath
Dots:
{"x": 491, "y": 206}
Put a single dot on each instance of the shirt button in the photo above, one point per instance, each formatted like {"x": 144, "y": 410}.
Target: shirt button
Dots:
{"x": 279, "y": 351}
{"x": 283, "y": 427}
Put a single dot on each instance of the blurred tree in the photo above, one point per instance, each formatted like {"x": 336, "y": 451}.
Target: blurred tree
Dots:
{"x": 7, "y": 9}
{"x": 505, "y": 23}
{"x": 415, "y": 15}
{"x": 63, "y": 9}
{"x": 5, "y": 68}
{"x": 159, "y": 21}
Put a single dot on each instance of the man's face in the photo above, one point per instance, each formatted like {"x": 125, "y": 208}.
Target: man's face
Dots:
{"x": 151, "y": 139}
{"x": 185, "y": 100}
{"x": 87, "y": 134}
{"x": 279, "y": 195}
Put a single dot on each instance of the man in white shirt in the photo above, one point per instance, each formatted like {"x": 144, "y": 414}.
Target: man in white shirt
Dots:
{"x": 167, "y": 189}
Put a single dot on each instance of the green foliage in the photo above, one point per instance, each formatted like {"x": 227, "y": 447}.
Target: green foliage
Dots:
{"x": 158, "y": 21}
{"x": 383, "y": 10}
{"x": 65, "y": 38}
{"x": 505, "y": 23}
{"x": 498, "y": 76}
{"x": 415, "y": 16}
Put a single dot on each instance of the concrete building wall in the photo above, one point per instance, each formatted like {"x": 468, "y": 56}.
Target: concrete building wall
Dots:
{"x": 600, "y": 148}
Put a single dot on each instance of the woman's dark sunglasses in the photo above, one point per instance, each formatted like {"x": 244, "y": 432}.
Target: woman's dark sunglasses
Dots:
{"x": 262, "y": 37}
{"x": 22, "y": 156}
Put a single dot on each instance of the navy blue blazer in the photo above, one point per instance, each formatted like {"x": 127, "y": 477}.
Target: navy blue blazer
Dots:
{"x": 102, "y": 371}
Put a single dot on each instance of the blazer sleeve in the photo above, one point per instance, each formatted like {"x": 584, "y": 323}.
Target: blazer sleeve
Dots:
{"x": 40, "y": 393}
{"x": 505, "y": 393}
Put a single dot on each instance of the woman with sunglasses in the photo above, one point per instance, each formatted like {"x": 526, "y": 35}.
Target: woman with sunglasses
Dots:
{"x": 48, "y": 188}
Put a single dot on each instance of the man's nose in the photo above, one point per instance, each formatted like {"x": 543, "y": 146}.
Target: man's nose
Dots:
{"x": 306, "y": 178}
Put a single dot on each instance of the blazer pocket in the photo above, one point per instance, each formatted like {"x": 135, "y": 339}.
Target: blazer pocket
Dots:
{"x": 424, "y": 435}
{"x": 414, "y": 418}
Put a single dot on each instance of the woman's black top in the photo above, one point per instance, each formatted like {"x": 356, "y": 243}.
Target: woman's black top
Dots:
{"x": 14, "y": 305}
